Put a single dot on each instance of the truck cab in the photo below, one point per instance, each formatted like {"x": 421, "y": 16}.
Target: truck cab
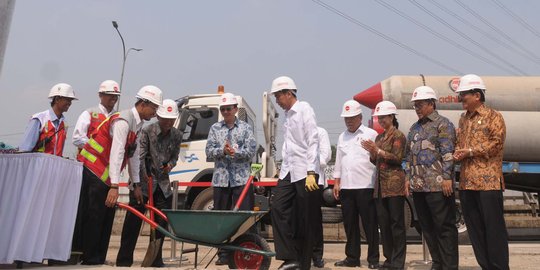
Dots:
{"x": 193, "y": 172}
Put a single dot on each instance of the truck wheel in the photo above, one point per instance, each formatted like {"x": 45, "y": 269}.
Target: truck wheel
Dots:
{"x": 245, "y": 260}
{"x": 407, "y": 216}
{"x": 204, "y": 201}
{"x": 331, "y": 214}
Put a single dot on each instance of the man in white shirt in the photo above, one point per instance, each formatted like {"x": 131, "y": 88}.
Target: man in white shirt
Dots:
{"x": 295, "y": 206}
{"x": 108, "y": 150}
{"x": 325, "y": 154}
{"x": 354, "y": 183}
{"x": 91, "y": 118}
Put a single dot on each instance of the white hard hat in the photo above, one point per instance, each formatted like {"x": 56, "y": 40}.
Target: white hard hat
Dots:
{"x": 109, "y": 87}
{"x": 62, "y": 90}
{"x": 169, "y": 109}
{"x": 282, "y": 83}
{"x": 422, "y": 93}
{"x": 351, "y": 108}
{"x": 385, "y": 108}
{"x": 151, "y": 93}
{"x": 470, "y": 82}
{"x": 228, "y": 99}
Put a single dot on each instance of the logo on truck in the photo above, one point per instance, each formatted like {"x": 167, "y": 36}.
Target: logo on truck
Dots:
{"x": 191, "y": 158}
{"x": 453, "y": 84}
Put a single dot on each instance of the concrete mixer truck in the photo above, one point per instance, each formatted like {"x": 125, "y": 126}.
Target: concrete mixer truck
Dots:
{"x": 518, "y": 100}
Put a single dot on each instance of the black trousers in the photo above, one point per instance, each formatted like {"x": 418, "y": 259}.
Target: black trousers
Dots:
{"x": 437, "y": 217}
{"x": 225, "y": 198}
{"x": 318, "y": 244}
{"x": 294, "y": 215}
{"x": 484, "y": 215}
{"x": 132, "y": 227}
{"x": 94, "y": 222}
{"x": 391, "y": 218}
{"x": 357, "y": 203}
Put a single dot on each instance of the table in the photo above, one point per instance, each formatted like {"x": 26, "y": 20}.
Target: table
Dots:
{"x": 39, "y": 194}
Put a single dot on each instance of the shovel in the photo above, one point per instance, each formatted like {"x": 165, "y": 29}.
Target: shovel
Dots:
{"x": 155, "y": 244}
{"x": 255, "y": 168}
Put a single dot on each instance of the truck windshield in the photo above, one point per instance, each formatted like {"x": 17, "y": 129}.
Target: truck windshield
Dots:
{"x": 197, "y": 123}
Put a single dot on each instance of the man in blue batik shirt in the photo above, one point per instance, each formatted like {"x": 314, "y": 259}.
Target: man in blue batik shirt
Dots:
{"x": 231, "y": 145}
{"x": 430, "y": 170}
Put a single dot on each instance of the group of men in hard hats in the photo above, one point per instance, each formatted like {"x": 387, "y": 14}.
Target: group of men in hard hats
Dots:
{"x": 107, "y": 141}
{"x": 432, "y": 148}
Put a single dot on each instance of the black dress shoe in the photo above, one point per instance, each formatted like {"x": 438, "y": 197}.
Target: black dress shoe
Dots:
{"x": 289, "y": 265}
{"x": 222, "y": 261}
{"x": 158, "y": 264}
{"x": 373, "y": 266}
{"x": 52, "y": 262}
{"x": 319, "y": 263}
{"x": 346, "y": 263}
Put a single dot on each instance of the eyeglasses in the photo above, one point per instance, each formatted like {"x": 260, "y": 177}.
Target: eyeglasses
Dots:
{"x": 464, "y": 93}
{"x": 226, "y": 109}
{"x": 419, "y": 105}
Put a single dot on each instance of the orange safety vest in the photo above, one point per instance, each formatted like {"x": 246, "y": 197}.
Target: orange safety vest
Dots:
{"x": 50, "y": 140}
{"x": 96, "y": 152}
{"x": 96, "y": 118}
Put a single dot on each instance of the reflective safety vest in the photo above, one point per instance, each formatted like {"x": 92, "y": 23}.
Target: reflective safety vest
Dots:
{"x": 96, "y": 152}
{"x": 96, "y": 118}
{"x": 50, "y": 140}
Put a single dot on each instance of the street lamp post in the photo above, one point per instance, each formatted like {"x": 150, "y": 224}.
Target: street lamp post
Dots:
{"x": 124, "y": 58}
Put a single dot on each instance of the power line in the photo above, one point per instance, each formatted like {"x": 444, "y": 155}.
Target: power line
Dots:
{"x": 530, "y": 57}
{"x": 387, "y": 38}
{"x": 500, "y": 32}
{"x": 440, "y": 36}
{"x": 463, "y": 35}
{"x": 517, "y": 18}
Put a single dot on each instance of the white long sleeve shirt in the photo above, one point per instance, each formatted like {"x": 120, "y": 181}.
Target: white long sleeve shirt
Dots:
{"x": 119, "y": 131}
{"x": 80, "y": 134}
{"x": 325, "y": 153}
{"x": 352, "y": 161}
{"x": 300, "y": 149}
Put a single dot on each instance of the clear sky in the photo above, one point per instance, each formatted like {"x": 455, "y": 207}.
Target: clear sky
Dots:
{"x": 191, "y": 47}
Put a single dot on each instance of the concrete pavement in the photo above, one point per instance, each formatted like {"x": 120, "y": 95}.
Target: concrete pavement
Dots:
{"x": 522, "y": 256}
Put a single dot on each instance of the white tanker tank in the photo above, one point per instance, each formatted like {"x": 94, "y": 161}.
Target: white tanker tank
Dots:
{"x": 517, "y": 98}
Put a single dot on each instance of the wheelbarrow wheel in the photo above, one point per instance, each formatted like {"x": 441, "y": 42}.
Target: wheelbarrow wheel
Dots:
{"x": 246, "y": 260}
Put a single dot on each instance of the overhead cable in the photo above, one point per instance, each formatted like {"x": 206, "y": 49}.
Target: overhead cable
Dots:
{"x": 463, "y": 35}
{"x": 387, "y": 38}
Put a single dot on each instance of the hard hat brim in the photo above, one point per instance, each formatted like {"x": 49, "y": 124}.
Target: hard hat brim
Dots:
{"x": 73, "y": 98}
{"x": 228, "y": 104}
{"x": 167, "y": 116}
{"x": 110, "y": 93}
{"x": 383, "y": 114}
{"x": 350, "y": 115}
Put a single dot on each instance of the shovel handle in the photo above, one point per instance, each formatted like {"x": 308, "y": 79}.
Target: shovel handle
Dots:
{"x": 255, "y": 168}
{"x": 244, "y": 192}
{"x": 151, "y": 196}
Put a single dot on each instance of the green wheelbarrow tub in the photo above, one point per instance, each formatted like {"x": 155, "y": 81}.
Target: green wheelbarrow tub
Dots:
{"x": 212, "y": 227}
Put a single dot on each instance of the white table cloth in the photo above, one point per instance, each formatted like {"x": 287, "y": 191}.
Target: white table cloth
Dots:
{"x": 39, "y": 194}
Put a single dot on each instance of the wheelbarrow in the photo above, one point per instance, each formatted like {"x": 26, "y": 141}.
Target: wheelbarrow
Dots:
{"x": 219, "y": 229}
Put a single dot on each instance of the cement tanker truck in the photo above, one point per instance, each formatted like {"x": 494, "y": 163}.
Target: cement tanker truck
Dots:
{"x": 517, "y": 98}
